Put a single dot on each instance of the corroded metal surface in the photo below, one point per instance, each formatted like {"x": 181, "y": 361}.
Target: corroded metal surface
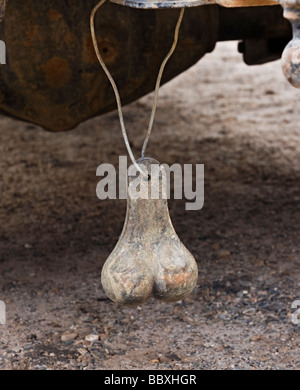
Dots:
{"x": 149, "y": 258}
{"x": 291, "y": 55}
{"x": 158, "y": 4}
{"x": 155, "y": 4}
{"x": 246, "y": 3}
{"x": 52, "y": 76}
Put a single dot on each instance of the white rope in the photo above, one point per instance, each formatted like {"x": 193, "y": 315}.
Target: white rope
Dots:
{"x": 115, "y": 88}
{"x": 160, "y": 73}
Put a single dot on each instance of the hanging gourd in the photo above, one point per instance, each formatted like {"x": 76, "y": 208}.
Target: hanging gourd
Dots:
{"x": 149, "y": 259}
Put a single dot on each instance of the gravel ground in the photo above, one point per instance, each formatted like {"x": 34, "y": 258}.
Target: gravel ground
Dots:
{"x": 243, "y": 124}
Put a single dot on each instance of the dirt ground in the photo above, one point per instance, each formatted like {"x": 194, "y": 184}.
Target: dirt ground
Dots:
{"x": 243, "y": 124}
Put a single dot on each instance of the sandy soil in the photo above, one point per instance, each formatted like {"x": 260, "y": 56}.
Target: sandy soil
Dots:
{"x": 243, "y": 124}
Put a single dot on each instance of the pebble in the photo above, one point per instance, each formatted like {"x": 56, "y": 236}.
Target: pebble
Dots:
{"x": 255, "y": 338}
{"x": 223, "y": 253}
{"x": 208, "y": 345}
{"x": 163, "y": 359}
{"x": 82, "y": 351}
{"x": 92, "y": 338}
{"x": 249, "y": 312}
{"x": 69, "y": 336}
{"x": 225, "y": 316}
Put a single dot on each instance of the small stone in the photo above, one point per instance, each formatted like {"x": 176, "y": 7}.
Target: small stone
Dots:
{"x": 240, "y": 294}
{"x": 92, "y": 338}
{"x": 265, "y": 358}
{"x": 249, "y": 312}
{"x": 32, "y": 337}
{"x": 82, "y": 351}
{"x": 163, "y": 359}
{"x": 219, "y": 348}
{"x": 69, "y": 336}
{"x": 155, "y": 361}
{"x": 223, "y": 253}
{"x": 225, "y": 316}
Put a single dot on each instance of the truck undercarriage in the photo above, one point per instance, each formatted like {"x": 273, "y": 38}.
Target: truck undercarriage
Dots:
{"x": 52, "y": 77}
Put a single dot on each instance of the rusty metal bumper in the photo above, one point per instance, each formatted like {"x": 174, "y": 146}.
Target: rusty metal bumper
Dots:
{"x": 193, "y": 3}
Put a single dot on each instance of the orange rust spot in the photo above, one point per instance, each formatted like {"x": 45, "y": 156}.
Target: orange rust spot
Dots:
{"x": 89, "y": 52}
{"x": 31, "y": 35}
{"x": 54, "y": 15}
{"x": 57, "y": 72}
{"x": 69, "y": 38}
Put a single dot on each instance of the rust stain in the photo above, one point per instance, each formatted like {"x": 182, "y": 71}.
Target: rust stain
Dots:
{"x": 54, "y": 15}
{"x": 69, "y": 38}
{"x": 57, "y": 72}
{"x": 246, "y": 3}
{"x": 31, "y": 35}
{"x": 108, "y": 50}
